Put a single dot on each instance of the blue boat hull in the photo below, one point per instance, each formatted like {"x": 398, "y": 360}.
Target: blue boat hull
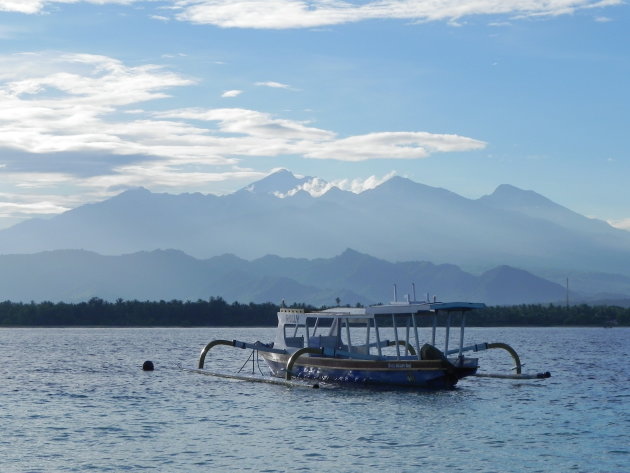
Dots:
{"x": 426, "y": 374}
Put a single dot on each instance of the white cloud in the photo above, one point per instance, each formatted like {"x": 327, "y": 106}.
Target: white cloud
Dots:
{"x": 66, "y": 103}
{"x": 623, "y": 224}
{"x": 36, "y": 6}
{"x": 163, "y": 175}
{"x": 17, "y": 206}
{"x": 360, "y": 185}
{"x": 22, "y": 6}
{"x": 54, "y": 103}
{"x": 318, "y": 187}
{"x": 10, "y": 209}
{"x": 254, "y": 124}
{"x": 279, "y": 14}
{"x": 274, "y": 85}
{"x": 261, "y": 134}
{"x": 69, "y": 115}
{"x": 231, "y": 93}
{"x": 396, "y": 145}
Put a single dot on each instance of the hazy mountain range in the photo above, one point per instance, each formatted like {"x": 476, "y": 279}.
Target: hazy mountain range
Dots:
{"x": 76, "y": 275}
{"x": 400, "y": 220}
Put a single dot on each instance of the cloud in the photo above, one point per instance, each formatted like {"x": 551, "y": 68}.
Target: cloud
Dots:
{"x": 261, "y": 134}
{"x": 274, "y": 85}
{"x": 397, "y": 145}
{"x": 162, "y": 175}
{"x": 71, "y": 103}
{"x": 26, "y": 209}
{"x": 280, "y": 14}
{"x": 318, "y": 187}
{"x": 253, "y": 124}
{"x": 360, "y": 185}
{"x": 74, "y": 123}
{"x": 623, "y": 224}
{"x": 231, "y": 93}
{"x": 22, "y": 6}
{"x": 36, "y": 6}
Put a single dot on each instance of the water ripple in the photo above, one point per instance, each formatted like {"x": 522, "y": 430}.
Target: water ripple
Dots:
{"x": 77, "y": 400}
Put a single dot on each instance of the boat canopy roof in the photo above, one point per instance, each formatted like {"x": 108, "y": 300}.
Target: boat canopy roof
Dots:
{"x": 393, "y": 308}
{"x": 428, "y": 308}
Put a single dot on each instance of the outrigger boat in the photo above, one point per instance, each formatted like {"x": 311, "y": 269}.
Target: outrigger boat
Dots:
{"x": 374, "y": 345}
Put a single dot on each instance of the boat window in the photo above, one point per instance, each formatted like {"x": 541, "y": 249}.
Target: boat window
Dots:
{"x": 399, "y": 335}
{"x": 448, "y": 331}
{"x": 352, "y": 333}
{"x": 294, "y": 335}
{"x": 315, "y": 324}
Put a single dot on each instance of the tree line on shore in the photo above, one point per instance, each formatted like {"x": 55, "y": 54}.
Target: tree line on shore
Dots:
{"x": 98, "y": 312}
{"x": 216, "y": 312}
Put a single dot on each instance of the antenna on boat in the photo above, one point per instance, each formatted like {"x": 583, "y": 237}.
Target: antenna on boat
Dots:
{"x": 395, "y": 294}
{"x": 413, "y": 286}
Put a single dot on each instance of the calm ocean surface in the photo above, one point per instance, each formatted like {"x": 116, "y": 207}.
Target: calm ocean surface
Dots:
{"x": 77, "y": 400}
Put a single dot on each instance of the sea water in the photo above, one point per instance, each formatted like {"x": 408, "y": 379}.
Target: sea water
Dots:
{"x": 76, "y": 399}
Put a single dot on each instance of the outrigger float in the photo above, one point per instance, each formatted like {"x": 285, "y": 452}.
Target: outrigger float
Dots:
{"x": 375, "y": 345}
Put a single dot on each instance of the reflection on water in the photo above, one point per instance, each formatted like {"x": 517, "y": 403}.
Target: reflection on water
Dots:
{"x": 77, "y": 400}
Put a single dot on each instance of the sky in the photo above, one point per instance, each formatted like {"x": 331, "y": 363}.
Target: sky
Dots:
{"x": 99, "y": 96}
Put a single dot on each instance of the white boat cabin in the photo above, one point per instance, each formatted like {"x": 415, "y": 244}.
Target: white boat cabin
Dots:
{"x": 399, "y": 330}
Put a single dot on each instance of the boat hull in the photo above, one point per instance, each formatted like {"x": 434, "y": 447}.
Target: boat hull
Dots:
{"x": 431, "y": 374}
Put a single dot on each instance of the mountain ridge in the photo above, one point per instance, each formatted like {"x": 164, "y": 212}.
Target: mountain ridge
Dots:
{"x": 78, "y": 275}
{"x": 399, "y": 220}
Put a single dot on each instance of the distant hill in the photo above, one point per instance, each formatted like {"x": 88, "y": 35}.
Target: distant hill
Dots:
{"x": 353, "y": 277}
{"x": 400, "y": 220}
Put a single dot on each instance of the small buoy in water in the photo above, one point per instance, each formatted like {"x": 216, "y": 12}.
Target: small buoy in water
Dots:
{"x": 147, "y": 366}
{"x": 315, "y": 386}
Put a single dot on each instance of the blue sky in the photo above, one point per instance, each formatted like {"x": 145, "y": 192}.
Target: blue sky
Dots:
{"x": 208, "y": 96}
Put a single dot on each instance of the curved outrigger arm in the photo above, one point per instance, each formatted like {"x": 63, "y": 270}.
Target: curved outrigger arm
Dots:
{"x": 488, "y": 346}
{"x": 293, "y": 358}
{"x": 238, "y": 344}
{"x": 511, "y": 351}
